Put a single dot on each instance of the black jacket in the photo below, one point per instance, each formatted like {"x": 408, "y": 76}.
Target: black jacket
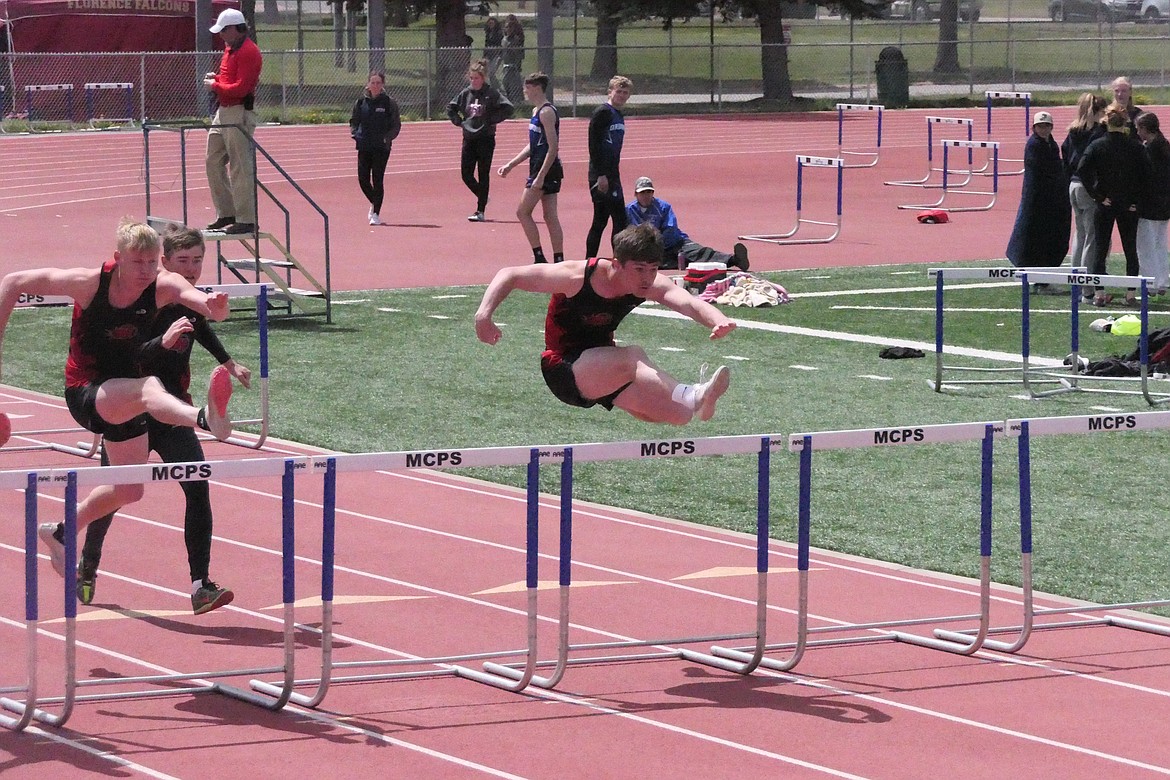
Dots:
{"x": 495, "y": 108}
{"x": 1155, "y": 200}
{"x": 1074, "y": 147}
{"x": 1114, "y": 167}
{"x": 375, "y": 123}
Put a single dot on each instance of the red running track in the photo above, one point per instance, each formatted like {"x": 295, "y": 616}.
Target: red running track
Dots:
{"x": 429, "y": 563}
{"x": 725, "y": 176}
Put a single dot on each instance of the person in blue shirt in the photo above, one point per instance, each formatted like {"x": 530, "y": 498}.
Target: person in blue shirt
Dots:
{"x": 678, "y": 246}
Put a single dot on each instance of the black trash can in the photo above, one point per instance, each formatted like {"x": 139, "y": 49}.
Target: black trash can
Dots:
{"x": 893, "y": 78}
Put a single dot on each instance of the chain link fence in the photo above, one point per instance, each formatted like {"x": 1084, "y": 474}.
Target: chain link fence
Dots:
{"x": 826, "y": 59}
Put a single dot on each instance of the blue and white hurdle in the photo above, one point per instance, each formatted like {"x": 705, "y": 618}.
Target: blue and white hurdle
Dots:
{"x": 31, "y": 90}
{"x": 992, "y": 95}
{"x": 950, "y": 187}
{"x": 1024, "y": 430}
{"x": 931, "y": 121}
{"x": 93, "y": 92}
{"x": 808, "y": 161}
{"x": 889, "y": 630}
{"x": 868, "y": 158}
{"x": 1072, "y": 380}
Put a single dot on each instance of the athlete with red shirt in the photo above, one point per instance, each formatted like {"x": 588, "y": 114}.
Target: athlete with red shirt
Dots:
{"x": 581, "y": 363}
{"x": 114, "y": 308}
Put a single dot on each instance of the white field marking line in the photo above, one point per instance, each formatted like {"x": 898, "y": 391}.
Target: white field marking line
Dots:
{"x": 887, "y": 290}
{"x": 953, "y": 310}
{"x": 735, "y": 357}
{"x": 104, "y": 755}
{"x": 809, "y": 682}
{"x": 876, "y": 377}
{"x": 986, "y": 354}
{"x": 289, "y": 709}
{"x": 799, "y": 367}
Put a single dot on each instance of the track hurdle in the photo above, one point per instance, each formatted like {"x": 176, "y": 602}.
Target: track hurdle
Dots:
{"x": 803, "y": 161}
{"x": 805, "y": 444}
{"x": 1072, "y": 381}
{"x": 31, "y": 706}
{"x": 931, "y": 121}
{"x": 517, "y": 676}
{"x": 5, "y": 110}
{"x": 93, "y": 91}
{"x": 1023, "y": 430}
{"x": 30, "y": 104}
{"x": 950, "y": 187}
{"x": 1027, "y": 98}
{"x": 991, "y": 276}
{"x": 870, "y": 159}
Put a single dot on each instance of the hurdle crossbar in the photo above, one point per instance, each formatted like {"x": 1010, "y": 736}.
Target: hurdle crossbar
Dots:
{"x": 931, "y": 121}
{"x": 951, "y": 187}
{"x": 1073, "y": 380}
{"x": 991, "y": 275}
{"x": 992, "y": 95}
{"x": 803, "y": 161}
{"x": 868, "y": 158}
{"x": 1023, "y": 430}
{"x": 806, "y": 443}
{"x": 94, "y": 88}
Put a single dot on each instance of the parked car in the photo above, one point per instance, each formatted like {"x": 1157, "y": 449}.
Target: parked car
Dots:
{"x": 1092, "y": 10}
{"x": 1155, "y": 10}
{"x": 925, "y": 10}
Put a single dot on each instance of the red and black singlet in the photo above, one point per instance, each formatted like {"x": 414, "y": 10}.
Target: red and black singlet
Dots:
{"x": 585, "y": 320}
{"x": 104, "y": 341}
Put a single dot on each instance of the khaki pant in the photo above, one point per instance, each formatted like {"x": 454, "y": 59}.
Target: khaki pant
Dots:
{"x": 232, "y": 191}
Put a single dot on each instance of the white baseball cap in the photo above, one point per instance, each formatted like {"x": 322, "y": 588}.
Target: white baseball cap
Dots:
{"x": 229, "y": 18}
{"x": 1042, "y": 118}
{"x": 643, "y": 184}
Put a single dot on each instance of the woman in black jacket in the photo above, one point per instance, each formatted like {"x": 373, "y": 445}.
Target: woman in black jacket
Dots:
{"x": 374, "y": 125}
{"x": 1113, "y": 170}
{"x": 1154, "y": 204}
{"x": 1085, "y": 129}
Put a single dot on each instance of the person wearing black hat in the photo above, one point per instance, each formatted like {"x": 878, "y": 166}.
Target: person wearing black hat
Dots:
{"x": 678, "y": 247}
{"x": 1044, "y": 219}
{"x": 477, "y": 109}
{"x": 231, "y": 171}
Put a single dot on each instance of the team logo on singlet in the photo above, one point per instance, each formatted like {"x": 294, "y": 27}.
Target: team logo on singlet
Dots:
{"x": 124, "y": 332}
{"x": 598, "y": 320}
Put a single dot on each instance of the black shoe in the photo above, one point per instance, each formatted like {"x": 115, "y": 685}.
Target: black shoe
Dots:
{"x": 86, "y": 581}
{"x": 240, "y": 228}
{"x": 739, "y": 252}
{"x": 221, "y": 223}
{"x": 210, "y": 596}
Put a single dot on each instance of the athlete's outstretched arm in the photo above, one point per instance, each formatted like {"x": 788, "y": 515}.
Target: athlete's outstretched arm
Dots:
{"x": 677, "y": 299}
{"x": 564, "y": 278}
{"x": 80, "y": 284}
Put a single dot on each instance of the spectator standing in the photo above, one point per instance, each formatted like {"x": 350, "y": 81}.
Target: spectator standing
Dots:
{"x": 493, "y": 52}
{"x": 477, "y": 109}
{"x": 1113, "y": 170}
{"x": 1123, "y": 96}
{"x": 513, "y": 57}
{"x": 607, "y": 133}
{"x": 374, "y": 124}
{"x": 231, "y": 160}
{"x": 1154, "y": 204}
{"x": 1085, "y": 129}
{"x": 544, "y": 170}
{"x": 1040, "y": 235}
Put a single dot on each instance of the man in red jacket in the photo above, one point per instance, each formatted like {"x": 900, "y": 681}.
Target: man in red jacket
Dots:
{"x": 229, "y": 143}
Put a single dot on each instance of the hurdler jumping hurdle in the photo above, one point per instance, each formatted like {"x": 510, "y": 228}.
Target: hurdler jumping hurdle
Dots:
{"x": 868, "y": 158}
{"x": 912, "y": 435}
{"x": 803, "y": 161}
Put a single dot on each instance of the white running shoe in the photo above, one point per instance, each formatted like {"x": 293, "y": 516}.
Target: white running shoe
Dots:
{"x": 56, "y": 549}
{"x": 375, "y": 219}
{"x": 370, "y": 213}
{"x": 219, "y": 392}
{"x": 708, "y": 390}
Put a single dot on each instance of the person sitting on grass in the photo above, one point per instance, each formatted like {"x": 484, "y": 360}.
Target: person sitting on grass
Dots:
{"x": 680, "y": 251}
{"x": 582, "y": 365}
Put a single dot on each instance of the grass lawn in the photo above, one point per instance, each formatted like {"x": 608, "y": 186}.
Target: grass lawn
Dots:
{"x": 402, "y": 370}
